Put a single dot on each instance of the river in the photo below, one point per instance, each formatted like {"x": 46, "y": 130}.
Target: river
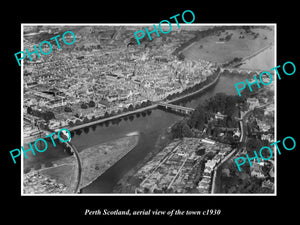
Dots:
{"x": 149, "y": 125}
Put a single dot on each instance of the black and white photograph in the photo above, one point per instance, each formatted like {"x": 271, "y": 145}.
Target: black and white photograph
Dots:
{"x": 159, "y": 113}
{"x": 160, "y": 116}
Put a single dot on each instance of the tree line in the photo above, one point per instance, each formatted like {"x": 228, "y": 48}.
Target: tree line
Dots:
{"x": 47, "y": 115}
{"x": 83, "y": 120}
{"x": 201, "y": 117}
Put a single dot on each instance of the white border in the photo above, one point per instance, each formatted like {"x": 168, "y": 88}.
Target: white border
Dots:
{"x": 149, "y": 24}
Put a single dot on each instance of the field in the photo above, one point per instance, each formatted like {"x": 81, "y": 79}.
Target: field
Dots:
{"x": 263, "y": 60}
{"x": 240, "y": 44}
{"x": 97, "y": 159}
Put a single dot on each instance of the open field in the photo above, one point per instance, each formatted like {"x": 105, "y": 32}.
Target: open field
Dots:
{"x": 263, "y": 60}
{"x": 240, "y": 44}
{"x": 97, "y": 159}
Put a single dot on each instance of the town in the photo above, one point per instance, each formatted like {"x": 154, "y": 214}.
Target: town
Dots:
{"x": 200, "y": 154}
{"x": 126, "y": 82}
{"x": 184, "y": 166}
{"x": 49, "y": 48}
{"x": 66, "y": 133}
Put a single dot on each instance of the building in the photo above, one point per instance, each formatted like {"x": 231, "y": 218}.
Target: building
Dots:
{"x": 268, "y": 184}
{"x": 220, "y": 116}
{"x": 256, "y": 170}
{"x": 208, "y": 141}
{"x": 56, "y": 103}
{"x": 222, "y": 152}
{"x": 53, "y": 124}
{"x": 258, "y": 174}
{"x": 204, "y": 185}
{"x": 253, "y": 102}
{"x": 266, "y": 79}
{"x": 237, "y": 133}
{"x": 217, "y": 158}
{"x": 268, "y": 137}
{"x": 210, "y": 164}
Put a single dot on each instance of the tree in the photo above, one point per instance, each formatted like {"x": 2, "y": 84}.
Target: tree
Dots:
{"x": 106, "y": 115}
{"x": 259, "y": 113}
{"x": 85, "y": 120}
{"x": 29, "y": 110}
{"x": 92, "y": 104}
{"x": 181, "y": 57}
{"x": 146, "y": 190}
{"x": 48, "y": 115}
{"x": 200, "y": 151}
{"x": 137, "y": 106}
{"x": 197, "y": 119}
{"x": 181, "y": 129}
{"x": 130, "y": 107}
{"x": 84, "y": 106}
{"x": 252, "y": 145}
{"x": 67, "y": 109}
{"x": 143, "y": 104}
{"x": 77, "y": 122}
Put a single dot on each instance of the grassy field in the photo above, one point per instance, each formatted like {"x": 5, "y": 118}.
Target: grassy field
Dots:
{"x": 97, "y": 159}
{"x": 211, "y": 48}
{"x": 262, "y": 61}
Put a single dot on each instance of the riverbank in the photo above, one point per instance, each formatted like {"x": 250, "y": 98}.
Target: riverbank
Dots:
{"x": 64, "y": 173}
{"x": 196, "y": 92}
{"x": 73, "y": 128}
{"x": 153, "y": 106}
{"x": 128, "y": 183}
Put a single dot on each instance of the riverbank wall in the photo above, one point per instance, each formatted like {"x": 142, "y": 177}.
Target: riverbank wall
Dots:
{"x": 196, "y": 92}
{"x": 73, "y": 128}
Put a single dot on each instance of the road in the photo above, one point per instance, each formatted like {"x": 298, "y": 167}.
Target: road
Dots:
{"x": 78, "y": 179}
{"x": 257, "y": 52}
{"x": 244, "y": 131}
{"x": 243, "y": 139}
{"x": 74, "y": 149}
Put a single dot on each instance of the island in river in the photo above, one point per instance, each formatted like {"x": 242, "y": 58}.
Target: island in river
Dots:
{"x": 64, "y": 176}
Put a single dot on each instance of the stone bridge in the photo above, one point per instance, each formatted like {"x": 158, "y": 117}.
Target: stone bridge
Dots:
{"x": 176, "y": 108}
